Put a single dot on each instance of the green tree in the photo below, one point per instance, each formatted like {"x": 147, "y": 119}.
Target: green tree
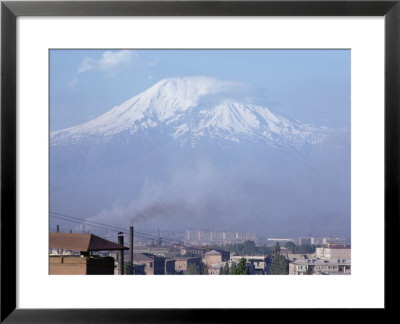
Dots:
{"x": 279, "y": 265}
{"x": 305, "y": 248}
{"x": 241, "y": 268}
{"x": 277, "y": 248}
{"x": 290, "y": 245}
{"x": 226, "y": 268}
{"x": 127, "y": 268}
{"x": 233, "y": 268}
{"x": 249, "y": 248}
{"x": 193, "y": 269}
{"x": 221, "y": 271}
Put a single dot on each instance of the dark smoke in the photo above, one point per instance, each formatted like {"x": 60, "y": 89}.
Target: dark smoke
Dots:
{"x": 164, "y": 211}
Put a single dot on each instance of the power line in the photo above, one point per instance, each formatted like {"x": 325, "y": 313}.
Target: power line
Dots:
{"x": 88, "y": 221}
{"x": 103, "y": 226}
{"x": 80, "y": 222}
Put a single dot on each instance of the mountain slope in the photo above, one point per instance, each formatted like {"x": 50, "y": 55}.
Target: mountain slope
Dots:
{"x": 187, "y": 109}
{"x": 208, "y": 157}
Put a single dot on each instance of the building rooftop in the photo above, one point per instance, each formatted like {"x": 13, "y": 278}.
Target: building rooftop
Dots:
{"x": 334, "y": 247}
{"x": 144, "y": 256}
{"x": 217, "y": 265}
{"x": 82, "y": 242}
{"x": 213, "y": 252}
{"x": 187, "y": 258}
{"x": 249, "y": 257}
{"x": 322, "y": 262}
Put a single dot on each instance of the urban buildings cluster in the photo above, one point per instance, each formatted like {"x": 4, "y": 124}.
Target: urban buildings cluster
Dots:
{"x": 89, "y": 254}
{"x": 202, "y": 237}
{"x": 309, "y": 240}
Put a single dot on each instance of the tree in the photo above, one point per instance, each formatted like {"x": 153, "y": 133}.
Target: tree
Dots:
{"x": 193, "y": 269}
{"x": 233, "y": 268}
{"x": 279, "y": 265}
{"x": 277, "y": 249}
{"x": 226, "y": 268}
{"x": 242, "y": 269}
{"x": 305, "y": 248}
{"x": 290, "y": 245}
{"x": 249, "y": 248}
{"x": 128, "y": 269}
{"x": 221, "y": 271}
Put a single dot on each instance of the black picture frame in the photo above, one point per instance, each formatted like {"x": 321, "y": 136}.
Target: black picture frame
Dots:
{"x": 10, "y": 10}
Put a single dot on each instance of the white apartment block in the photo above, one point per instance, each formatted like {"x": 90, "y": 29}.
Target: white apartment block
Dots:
{"x": 333, "y": 253}
{"x": 320, "y": 267}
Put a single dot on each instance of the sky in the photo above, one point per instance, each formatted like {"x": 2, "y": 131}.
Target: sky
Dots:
{"x": 312, "y": 86}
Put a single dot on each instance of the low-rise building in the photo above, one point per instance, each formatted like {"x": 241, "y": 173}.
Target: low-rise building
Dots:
{"x": 215, "y": 269}
{"x": 328, "y": 240}
{"x": 165, "y": 251}
{"x": 154, "y": 265}
{"x": 300, "y": 256}
{"x": 137, "y": 269}
{"x": 333, "y": 253}
{"x": 303, "y": 240}
{"x": 76, "y": 265}
{"x": 182, "y": 263}
{"x": 169, "y": 266}
{"x": 82, "y": 261}
{"x": 216, "y": 256}
{"x": 194, "y": 251}
{"x": 259, "y": 262}
{"x": 314, "y": 267}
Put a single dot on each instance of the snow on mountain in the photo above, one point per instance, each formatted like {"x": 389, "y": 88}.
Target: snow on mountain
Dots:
{"x": 190, "y": 108}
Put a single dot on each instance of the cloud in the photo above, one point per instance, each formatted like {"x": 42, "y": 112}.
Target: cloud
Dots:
{"x": 73, "y": 82}
{"x": 86, "y": 65}
{"x": 114, "y": 60}
{"x": 110, "y": 62}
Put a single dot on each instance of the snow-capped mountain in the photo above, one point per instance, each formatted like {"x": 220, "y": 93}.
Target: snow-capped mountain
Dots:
{"x": 189, "y": 109}
{"x": 193, "y": 152}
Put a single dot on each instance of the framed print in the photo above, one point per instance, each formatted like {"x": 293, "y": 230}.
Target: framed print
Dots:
{"x": 162, "y": 139}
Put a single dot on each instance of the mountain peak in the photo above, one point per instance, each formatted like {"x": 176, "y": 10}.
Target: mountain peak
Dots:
{"x": 196, "y": 107}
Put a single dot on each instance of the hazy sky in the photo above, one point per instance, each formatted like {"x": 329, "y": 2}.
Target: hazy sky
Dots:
{"x": 312, "y": 86}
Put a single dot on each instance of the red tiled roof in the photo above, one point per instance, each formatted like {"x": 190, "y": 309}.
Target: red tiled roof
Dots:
{"x": 82, "y": 242}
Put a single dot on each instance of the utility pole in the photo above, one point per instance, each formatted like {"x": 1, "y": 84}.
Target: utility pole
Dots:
{"x": 131, "y": 248}
{"x": 121, "y": 254}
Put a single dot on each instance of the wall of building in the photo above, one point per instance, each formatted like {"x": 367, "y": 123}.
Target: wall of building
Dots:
{"x": 320, "y": 267}
{"x": 169, "y": 267}
{"x": 73, "y": 265}
{"x": 212, "y": 259}
{"x": 325, "y": 253}
{"x": 181, "y": 264}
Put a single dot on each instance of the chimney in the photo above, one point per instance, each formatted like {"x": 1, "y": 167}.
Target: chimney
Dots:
{"x": 121, "y": 254}
{"x": 131, "y": 248}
